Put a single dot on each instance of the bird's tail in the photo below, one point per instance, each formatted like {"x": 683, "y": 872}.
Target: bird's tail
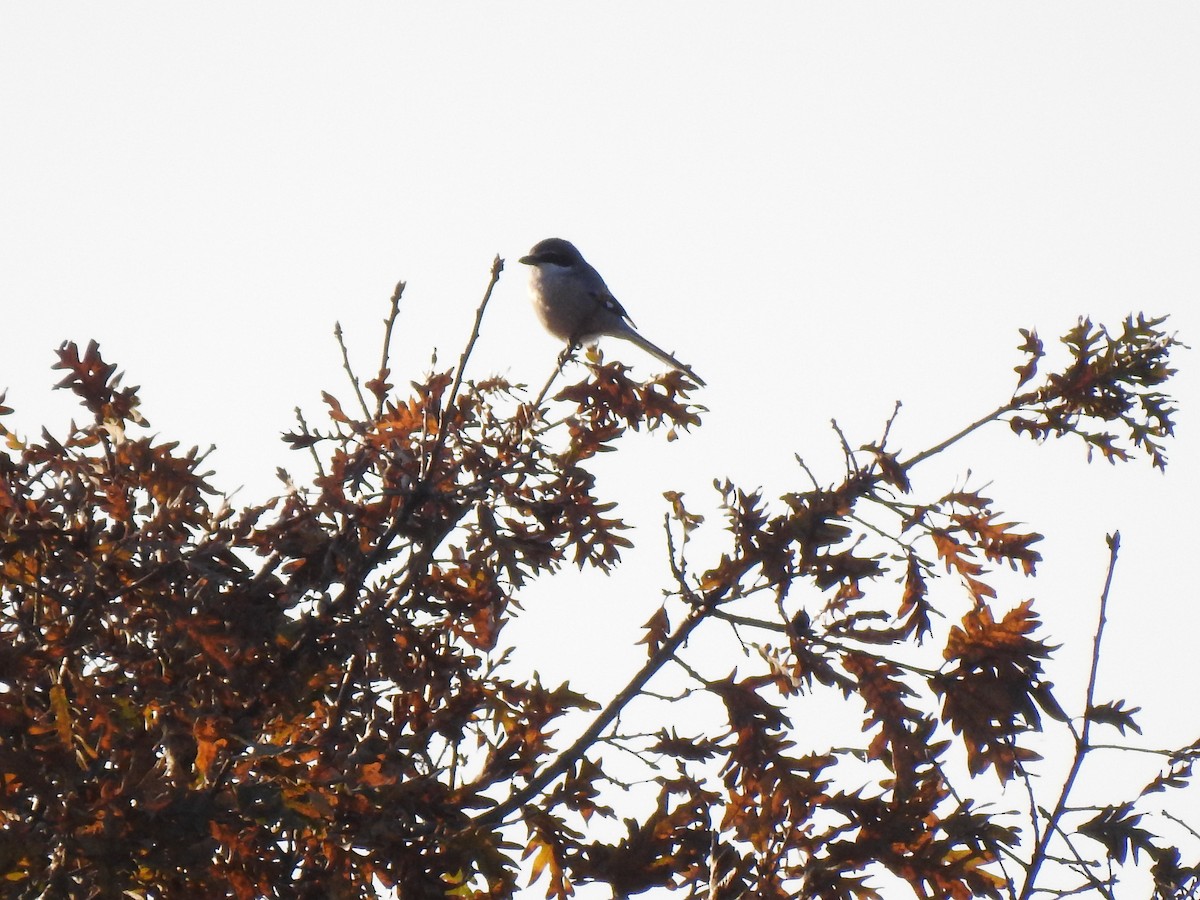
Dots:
{"x": 657, "y": 351}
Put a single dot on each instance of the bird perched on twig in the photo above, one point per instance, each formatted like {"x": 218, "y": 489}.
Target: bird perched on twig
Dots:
{"x": 576, "y": 305}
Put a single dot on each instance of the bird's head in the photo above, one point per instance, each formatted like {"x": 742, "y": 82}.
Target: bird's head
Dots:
{"x": 554, "y": 252}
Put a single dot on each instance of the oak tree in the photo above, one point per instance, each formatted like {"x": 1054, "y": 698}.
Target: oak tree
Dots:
{"x": 316, "y": 695}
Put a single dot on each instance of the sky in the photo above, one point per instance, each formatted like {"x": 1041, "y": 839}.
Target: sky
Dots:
{"x": 823, "y": 208}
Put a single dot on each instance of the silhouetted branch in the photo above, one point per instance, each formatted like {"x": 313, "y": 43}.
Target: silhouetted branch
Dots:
{"x": 606, "y": 716}
{"x": 341, "y": 342}
{"x": 448, "y": 405}
{"x": 1081, "y": 745}
{"x": 386, "y": 353}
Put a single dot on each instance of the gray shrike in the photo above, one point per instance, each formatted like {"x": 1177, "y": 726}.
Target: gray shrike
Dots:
{"x": 576, "y": 305}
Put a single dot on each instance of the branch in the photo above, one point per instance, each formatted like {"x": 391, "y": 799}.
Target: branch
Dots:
{"x": 1180, "y": 822}
{"x": 1081, "y": 742}
{"x": 1011, "y": 406}
{"x": 444, "y": 426}
{"x": 528, "y": 413}
{"x": 385, "y": 358}
{"x": 558, "y": 367}
{"x": 362, "y": 401}
{"x": 585, "y": 741}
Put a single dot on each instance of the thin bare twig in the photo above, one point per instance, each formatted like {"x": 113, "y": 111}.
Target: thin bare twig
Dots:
{"x": 558, "y": 368}
{"x": 735, "y": 620}
{"x": 448, "y": 406}
{"x": 1130, "y": 748}
{"x": 362, "y": 401}
{"x": 851, "y": 462}
{"x": 1180, "y": 822}
{"x": 385, "y": 358}
{"x": 887, "y": 428}
{"x": 809, "y": 472}
{"x": 692, "y": 673}
{"x": 1081, "y": 742}
{"x": 1083, "y": 868}
{"x": 1012, "y": 405}
{"x": 528, "y": 413}
{"x": 679, "y": 566}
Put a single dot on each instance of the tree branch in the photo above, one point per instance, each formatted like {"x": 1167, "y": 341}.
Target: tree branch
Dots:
{"x": 447, "y": 407}
{"x": 341, "y": 341}
{"x": 385, "y": 358}
{"x": 1012, "y": 405}
{"x": 587, "y": 740}
{"x": 1081, "y": 742}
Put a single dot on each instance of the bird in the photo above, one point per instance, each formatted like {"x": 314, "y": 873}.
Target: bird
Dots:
{"x": 575, "y": 304}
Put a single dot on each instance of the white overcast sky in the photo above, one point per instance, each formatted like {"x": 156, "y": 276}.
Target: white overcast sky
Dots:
{"x": 824, "y": 208}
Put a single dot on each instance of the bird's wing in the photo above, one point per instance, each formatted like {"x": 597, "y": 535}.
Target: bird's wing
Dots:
{"x": 611, "y": 304}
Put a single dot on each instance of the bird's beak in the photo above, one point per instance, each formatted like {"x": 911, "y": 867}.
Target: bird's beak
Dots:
{"x": 528, "y": 260}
